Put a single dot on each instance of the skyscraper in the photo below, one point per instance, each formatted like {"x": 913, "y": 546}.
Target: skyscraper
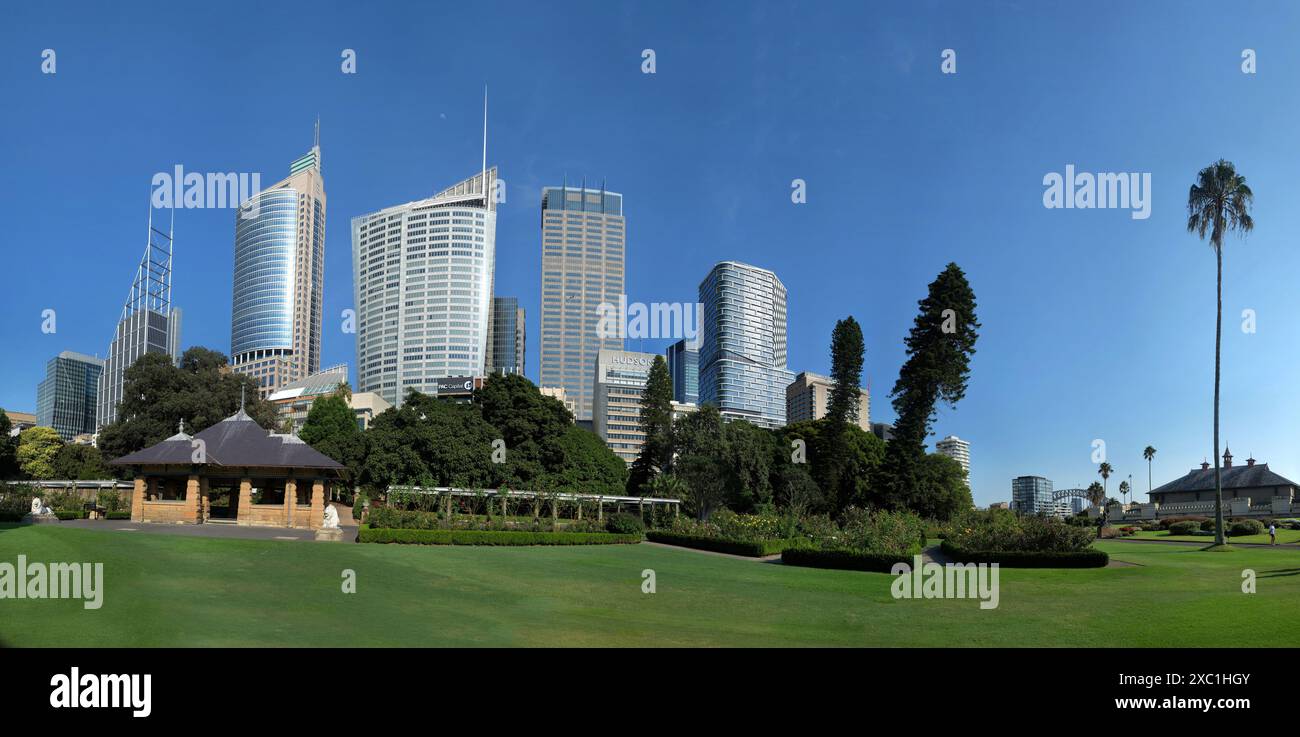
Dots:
{"x": 66, "y": 398}
{"x": 1032, "y": 495}
{"x": 423, "y": 274}
{"x": 958, "y": 450}
{"x": 275, "y": 320}
{"x": 743, "y": 352}
{"x": 149, "y": 323}
{"x": 508, "y": 337}
{"x": 583, "y": 256}
{"x": 684, "y": 368}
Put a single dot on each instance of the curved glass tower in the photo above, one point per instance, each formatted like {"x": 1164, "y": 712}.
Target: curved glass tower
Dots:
{"x": 742, "y": 359}
{"x": 275, "y": 320}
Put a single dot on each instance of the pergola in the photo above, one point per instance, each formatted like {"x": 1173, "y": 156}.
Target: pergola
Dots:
{"x": 266, "y": 479}
{"x": 447, "y": 493}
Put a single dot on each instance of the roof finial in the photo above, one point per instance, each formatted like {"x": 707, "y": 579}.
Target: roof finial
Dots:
{"x": 242, "y": 387}
{"x": 182, "y": 426}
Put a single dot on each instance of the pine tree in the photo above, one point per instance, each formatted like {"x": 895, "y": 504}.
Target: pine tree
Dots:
{"x": 846, "y": 371}
{"x": 657, "y": 423}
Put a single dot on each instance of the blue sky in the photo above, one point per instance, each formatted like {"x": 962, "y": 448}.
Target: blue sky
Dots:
{"x": 1096, "y": 325}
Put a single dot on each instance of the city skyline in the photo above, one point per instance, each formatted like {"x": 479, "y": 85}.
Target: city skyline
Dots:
{"x": 1108, "y": 305}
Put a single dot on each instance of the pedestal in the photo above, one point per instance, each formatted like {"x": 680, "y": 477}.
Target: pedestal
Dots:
{"x": 329, "y": 534}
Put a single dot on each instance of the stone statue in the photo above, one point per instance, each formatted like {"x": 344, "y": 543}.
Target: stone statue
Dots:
{"x": 331, "y": 517}
{"x": 38, "y": 508}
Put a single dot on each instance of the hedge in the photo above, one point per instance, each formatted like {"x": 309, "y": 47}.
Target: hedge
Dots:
{"x": 117, "y": 515}
{"x": 747, "y": 548}
{"x": 70, "y": 514}
{"x": 489, "y": 537}
{"x": 1030, "y": 558}
{"x": 848, "y": 560}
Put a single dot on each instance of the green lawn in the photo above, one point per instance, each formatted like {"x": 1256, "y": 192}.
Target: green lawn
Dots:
{"x": 1283, "y": 537}
{"x": 172, "y": 590}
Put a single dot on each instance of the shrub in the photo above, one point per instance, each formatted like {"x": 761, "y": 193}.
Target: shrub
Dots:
{"x": 1003, "y": 530}
{"x": 624, "y": 523}
{"x": 1088, "y": 558}
{"x": 1243, "y": 527}
{"x": 849, "y": 560}
{"x": 1208, "y": 525}
{"x": 749, "y": 548}
{"x": 1167, "y": 521}
{"x": 121, "y": 514}
{"x": 1185, "y": 527}
{"x": 67, "y": 514}
{"x": 489, "y": 537}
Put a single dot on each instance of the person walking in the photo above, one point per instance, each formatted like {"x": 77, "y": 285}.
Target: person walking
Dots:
{"x": 1272, "y": 533}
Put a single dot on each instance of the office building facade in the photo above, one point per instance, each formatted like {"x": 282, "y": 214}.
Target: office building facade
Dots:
{"x": 508, "y": 337}
{"x": 620, "y": 381}
{"x": 583, "y": 258}
{"x": 958, "y": 450}
{"x": 423, "y": 289}
{"x": 808, "y": 397}
{"x": 684, "y": 368}
{"x": 1032, "y": 495}
{"x": 279, "y": 279}
{"x": 743, "y": 351}
{"x": 148, "y": 323}
{"x": 67, "y": 399}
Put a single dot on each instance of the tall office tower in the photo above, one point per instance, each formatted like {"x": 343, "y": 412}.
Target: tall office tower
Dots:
{"x": 149, "y": 323}
{"x": 808, "y": 397}
{"x": 743, "y": 353}
{"x": 619, "y": 383}
{"x": 684, "y": 368}
{"x": 958, "y": 450}
{"x": 508, "y": 336}
{"x": 275, "y": 320}
{"x": 1032, "y": 495}
{"x": 583, "y": 234}
{"x": 66, "y": 399}
{"x": 423, "y": 275}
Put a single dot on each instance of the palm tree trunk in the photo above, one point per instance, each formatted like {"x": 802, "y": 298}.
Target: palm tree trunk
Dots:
{"x": 1218, "y": 338}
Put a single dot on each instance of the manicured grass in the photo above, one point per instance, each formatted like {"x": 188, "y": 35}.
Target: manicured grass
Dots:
{"x": 192, "y": 591}
{"x": 1283, "y": 537}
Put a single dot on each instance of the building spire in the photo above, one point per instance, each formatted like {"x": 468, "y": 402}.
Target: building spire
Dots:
{"x": 316, "y": 137}
{"x": 484, "y": 170}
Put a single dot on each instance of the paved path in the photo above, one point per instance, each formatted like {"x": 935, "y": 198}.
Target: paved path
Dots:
{"x": 1208, "y": 541}
{"x": 217, "y": 529}
{"x": 765, "y": 559}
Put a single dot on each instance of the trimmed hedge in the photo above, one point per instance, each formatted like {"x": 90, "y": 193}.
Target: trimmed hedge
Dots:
{"x": 70, "y": 514}
{"x": 1185, "y": 527}
{"x": 118, "y": 515}
{"x": 847, "y": 560}
{"x": 489, "y": 537}
{"x": 721, "y": 545}
{"x": 1030, "y": 558}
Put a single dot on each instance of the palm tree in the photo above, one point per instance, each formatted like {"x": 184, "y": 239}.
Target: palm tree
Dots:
{"x": 1123, "y": 490}
{"x": 1219, "y": 201}
{"x": 1149, "y": 453}
{"x": 1105, "y": 470}
{"x": 1096, "y": 494}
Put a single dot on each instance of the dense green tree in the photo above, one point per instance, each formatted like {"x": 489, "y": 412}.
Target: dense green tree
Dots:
{"x": 939, "y": 347}
{"x": 749, "y": 457}
{"x": 796, "y": 492}
{"x": 847, "y": 351}
{"x": 1217, "y": 203}
{"x": 701, "y": 443}
{"x": 532, "y": 426}
{"x": 157, "y": 396}
{"x": 80, "y": 462}
{"x": 37, "y": 447}
{"x": 331, "y": 428}
{"x": 656, "y": 422}
{"x": 847, "y": 481}
{"x": 942, "y": 490}
{"x": 8, "y": 448}
{"x": 429, "y": 442}
{"x": 588, "y": 466}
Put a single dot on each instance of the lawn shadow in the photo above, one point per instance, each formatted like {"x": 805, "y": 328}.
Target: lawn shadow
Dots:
{"x": 1280, "y": 573}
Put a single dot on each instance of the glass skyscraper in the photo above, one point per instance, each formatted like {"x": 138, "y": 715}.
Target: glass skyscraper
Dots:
{"x": 583, "y": 234}
{"x": 1032, "y": 495}
{"x": 684, "y": 368}
{"x": 275, "y": 322}
{"x": 743, "y": 352}
{"x": 508, "y": 337}
{"x": 423, "y": 281}
{"x": 67, "y": 399}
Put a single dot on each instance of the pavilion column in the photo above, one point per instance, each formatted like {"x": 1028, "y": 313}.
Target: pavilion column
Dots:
{"x": 245, "y": 501}
{"x": 317, "y": 505}
{"x": 137, "y": 499}
{"x": 600, "y": 509}
{"x": 205, "y": 501}
{"x": 192, "y": 502}
{"x": 290, "y": 500}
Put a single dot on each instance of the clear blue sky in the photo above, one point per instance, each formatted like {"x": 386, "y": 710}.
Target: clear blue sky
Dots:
{"x": 1095, "y": 325}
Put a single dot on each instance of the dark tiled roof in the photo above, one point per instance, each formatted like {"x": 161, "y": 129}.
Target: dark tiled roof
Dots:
{"x": 1237, "y": 477}
{"x": 235, "y": 441}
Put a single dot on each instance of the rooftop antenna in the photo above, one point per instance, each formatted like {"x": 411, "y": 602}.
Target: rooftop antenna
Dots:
{"x": 483, "y": 175}
{"x": 316, "y": 139}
